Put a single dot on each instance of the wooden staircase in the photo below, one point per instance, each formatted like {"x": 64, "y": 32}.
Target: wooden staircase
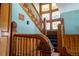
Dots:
{"x": 53, "y": 39}
{"x": 37, "y": 21}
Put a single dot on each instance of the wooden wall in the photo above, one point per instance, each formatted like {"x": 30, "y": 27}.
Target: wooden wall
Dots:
{"x": 5, "y": 28}
{"x": 67, "y": 44}
{"x": 71, "y": 44}
{"x": 0, "y": 10}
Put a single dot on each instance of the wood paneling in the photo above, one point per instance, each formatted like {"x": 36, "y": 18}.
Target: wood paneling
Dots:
{"x": 4, "y": 17}
{"x": 0, "y": 10}
{"x": 71, "y": 44}
{"x": 68, "y": 45}
{"x": 5, "y": 27}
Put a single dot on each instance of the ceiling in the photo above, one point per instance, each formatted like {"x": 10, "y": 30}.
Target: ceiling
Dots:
{"x": 66, "y": 7}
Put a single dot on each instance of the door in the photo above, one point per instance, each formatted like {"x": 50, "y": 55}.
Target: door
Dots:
{"x": 5, "y": 20}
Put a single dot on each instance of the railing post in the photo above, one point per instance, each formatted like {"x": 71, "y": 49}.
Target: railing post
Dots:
{"x": 44, "y": 29}
{"x": 60, "y": 34}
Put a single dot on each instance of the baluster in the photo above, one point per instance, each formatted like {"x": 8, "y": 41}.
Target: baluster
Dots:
{"x": 34, "y": 47}
{"x": 15, "y": 45}
{"x": 24, "y": 46}
{"x": 31, "y": 46}
{"x": 20, "y": 41}
{"x": 38, "y": 43}
{"x": 19, "y": 47}
{"x": 27, "y": 46}
{"x": 12, "y": 48}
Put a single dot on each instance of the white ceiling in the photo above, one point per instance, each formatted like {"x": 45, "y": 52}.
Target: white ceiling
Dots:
{"x": 66, "y": 7}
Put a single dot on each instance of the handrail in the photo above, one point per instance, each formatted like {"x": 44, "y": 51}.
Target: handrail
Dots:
{"x": 36, "y": 11}
{"x": 38, "y": 36}
{"x": 42, "y": 37}
{"x": 37, "y": 42}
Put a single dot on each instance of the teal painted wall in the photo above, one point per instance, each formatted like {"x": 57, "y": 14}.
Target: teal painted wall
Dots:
{"x": 71, "y": 22}
{"x": 22, "y": 26}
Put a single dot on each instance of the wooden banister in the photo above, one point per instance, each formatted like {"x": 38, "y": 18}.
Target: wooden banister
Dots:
{"x": 30, "y": 45}
{"x": 37, "y": 12}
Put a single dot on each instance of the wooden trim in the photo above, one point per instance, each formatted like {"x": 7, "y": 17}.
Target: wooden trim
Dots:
{"x": 71, "y": 43}
{"x": 38, "y": 36}
{"x": 73, "y": 35}
{"x": 60, "y": 35}
{"x": 45, "y": 12}
{"x": 54, "y": 10}
{"x": 0, "y": 10}
{"x": 36, "y": 11}
{"x": 9, "y": 27}
{"x": 44, "y": 3}
{"x": 50, "y": 11}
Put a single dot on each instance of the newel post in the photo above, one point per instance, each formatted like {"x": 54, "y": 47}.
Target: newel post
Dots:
{"x": 60, "y": 34}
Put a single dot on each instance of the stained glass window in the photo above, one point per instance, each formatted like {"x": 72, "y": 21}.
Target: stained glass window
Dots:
{"x": 46, "y": 16}
{"x": 55, "y": 15}
{"x": 54, "y": 6}
{"x": 55, "y": 25}
{"x": 45, "y": 7}
{"x": 47, "y": 26}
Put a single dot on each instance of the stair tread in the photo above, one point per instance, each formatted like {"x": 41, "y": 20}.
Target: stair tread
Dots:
{"x": 55, "y": 54}
{"x": 53, "y": 39}
{"x": 54, "y": 43}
